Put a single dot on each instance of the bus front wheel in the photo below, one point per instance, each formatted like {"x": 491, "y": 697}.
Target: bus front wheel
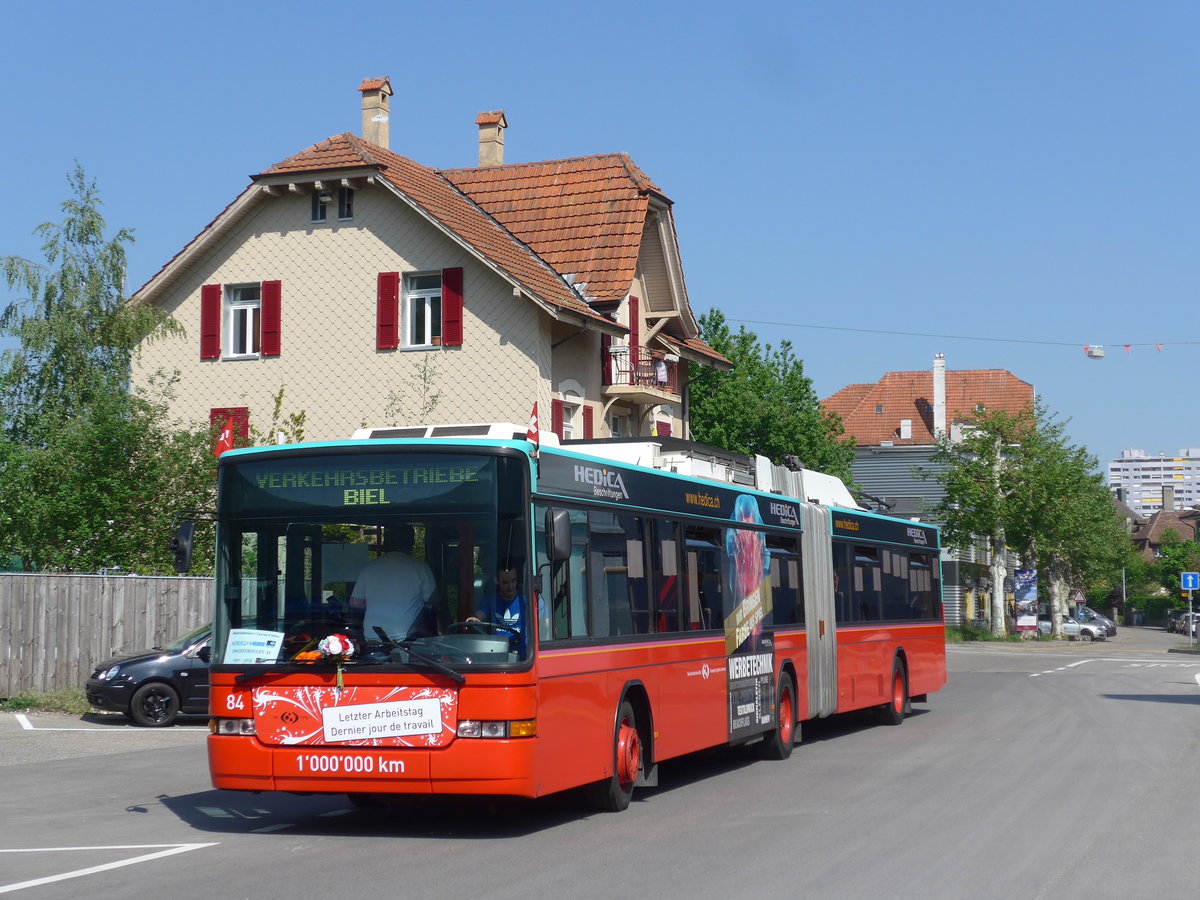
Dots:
{"x": 613, "y": 794}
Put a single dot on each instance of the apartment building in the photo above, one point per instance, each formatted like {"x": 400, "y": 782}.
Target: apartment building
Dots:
{"x": 1138, "y": 479}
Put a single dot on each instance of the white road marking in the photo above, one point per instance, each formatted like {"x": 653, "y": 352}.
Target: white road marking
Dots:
{"x": 167, "y": 850}
{"x": 29, "y": 726}
{"x": 1130, "y": 664}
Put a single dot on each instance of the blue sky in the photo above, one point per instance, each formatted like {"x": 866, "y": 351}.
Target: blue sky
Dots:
{"x": 1020, "y": 178}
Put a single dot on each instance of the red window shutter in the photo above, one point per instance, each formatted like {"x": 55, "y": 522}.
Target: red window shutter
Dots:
{"x": 635, "y": 336}
{"x": 452, "y": 307}
{"x": 387, "y": 311}
{"x": 664, "y": 429}
{"x": 606, "y": 360}
{"x": 556, "y": 417}
{"x": 210, "y": 321}
{"x": 272, "y": 294}
{"x": 588, "y": 427}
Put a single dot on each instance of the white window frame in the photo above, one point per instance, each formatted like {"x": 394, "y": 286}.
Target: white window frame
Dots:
{"x": 422, "y": 310}
{"x": 243, "y": 317}
{"x": 572, "y": 406}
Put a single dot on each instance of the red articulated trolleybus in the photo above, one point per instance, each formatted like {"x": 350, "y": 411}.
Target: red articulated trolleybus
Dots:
{"x": 669, "y": 597}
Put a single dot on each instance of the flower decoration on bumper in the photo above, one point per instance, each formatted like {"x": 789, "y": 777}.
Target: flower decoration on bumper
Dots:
{"x": 338, "y": 647}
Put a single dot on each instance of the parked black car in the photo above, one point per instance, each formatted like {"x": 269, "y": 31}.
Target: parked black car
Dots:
{"x": 155, "y": 686}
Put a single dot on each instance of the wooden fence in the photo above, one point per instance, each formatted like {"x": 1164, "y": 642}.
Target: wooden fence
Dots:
{"x": 54, "y": 629}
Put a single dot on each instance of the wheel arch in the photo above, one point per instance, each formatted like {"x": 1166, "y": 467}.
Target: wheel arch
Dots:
{"x": 638, "y": 696}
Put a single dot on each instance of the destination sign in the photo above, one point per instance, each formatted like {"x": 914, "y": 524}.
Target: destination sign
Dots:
{"x": 273, "y": 485}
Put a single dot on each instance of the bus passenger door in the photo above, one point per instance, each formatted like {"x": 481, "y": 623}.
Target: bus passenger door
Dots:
{"x": 817, "y": 556}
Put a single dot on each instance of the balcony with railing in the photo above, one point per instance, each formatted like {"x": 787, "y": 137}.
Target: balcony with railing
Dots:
{"x": 648, "y": 380}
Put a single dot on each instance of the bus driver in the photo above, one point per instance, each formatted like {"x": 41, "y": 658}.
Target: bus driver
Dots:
{"x": 396, "y": 590}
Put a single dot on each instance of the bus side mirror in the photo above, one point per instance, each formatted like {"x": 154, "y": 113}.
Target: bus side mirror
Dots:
{"x": 181, "y": 546}
{"x": 558, "y": 535}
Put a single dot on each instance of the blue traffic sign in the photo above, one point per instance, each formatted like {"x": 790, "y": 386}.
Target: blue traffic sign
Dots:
{"x": 1189, "y": 581}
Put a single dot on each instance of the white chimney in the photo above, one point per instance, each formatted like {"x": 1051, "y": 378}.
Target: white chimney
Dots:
{"x": 491, "y": 138}
{"x": 375, "y": 94}
{"x": 939, "y": 396}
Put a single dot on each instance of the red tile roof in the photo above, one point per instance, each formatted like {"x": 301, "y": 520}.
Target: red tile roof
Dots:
{"x": 490, "y": 118}
{"x": 444, "y": 202}
{"x": 372, "y": 84}
{"x": 909, "y": 395}
{"x": 535, "y": 221}
{"x": 584, "y": 216}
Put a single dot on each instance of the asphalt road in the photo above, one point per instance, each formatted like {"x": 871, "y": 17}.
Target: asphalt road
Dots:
{"x": 1060, "y": 771}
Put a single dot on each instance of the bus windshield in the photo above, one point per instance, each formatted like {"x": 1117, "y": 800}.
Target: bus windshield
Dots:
{"x": 418, "y": 557}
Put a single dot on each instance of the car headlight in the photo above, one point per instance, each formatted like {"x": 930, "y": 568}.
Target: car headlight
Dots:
{"x": 110, "y": 673}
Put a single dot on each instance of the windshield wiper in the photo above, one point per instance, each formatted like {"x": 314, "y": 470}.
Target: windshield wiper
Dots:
{"x": 438, "y": 666}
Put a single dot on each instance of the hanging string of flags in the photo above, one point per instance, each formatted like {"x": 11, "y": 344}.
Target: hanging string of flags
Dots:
{"x": 1096, "y": 351}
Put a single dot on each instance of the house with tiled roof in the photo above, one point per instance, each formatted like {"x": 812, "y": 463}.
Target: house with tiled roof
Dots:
{"x": 910, "y": 408}
{"x": 375, "y": 290}
{"x": 1147, "y": 534}
{"x": 894, "y": 422}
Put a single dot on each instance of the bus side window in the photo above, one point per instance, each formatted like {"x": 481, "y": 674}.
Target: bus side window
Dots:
{"x": 640, "y": 607}
{"x": 705, "y": 579}
{"x": 787, "y": 606}
{"x": 842, "y": 583}
{"x": 895, "y": 585}
{"x": 920, "y": 587}
{"x": 868, "y": 584}
{"x": 607, "y": 571}
{"x": 664, "y": 559}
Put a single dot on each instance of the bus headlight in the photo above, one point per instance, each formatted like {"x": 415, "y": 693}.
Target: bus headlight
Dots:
{"x": 231, "y": 726}
{"x": 474, "y": 728}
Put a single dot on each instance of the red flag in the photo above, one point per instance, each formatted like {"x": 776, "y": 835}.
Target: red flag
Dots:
{"x": 533, "y": 435}
{"x": 225, "y": 441}
{"x": 1127, "y": 347}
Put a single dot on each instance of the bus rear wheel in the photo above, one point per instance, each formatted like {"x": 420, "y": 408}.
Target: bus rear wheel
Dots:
{"x": 613, "y": 794}
{"x": 778, "y": 743}
{"x": 892, "y": 712}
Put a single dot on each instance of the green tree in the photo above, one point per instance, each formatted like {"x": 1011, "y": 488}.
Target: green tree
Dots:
{"x": 1018, "y": 481}
{"x": 76, "y": 332}
{"x": 90, "y": 472}
{"x": 1175, "y": 555}
{"x": 765, "y": 405}
{"x": 101, "y": 491}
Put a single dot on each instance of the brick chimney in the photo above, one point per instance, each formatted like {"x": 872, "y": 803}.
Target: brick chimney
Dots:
{"x": 491, "y": 138}
{"x": 375, "y": 94}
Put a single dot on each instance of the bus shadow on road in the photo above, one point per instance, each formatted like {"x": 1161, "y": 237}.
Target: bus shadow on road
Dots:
{"x": 462, "y": 817}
